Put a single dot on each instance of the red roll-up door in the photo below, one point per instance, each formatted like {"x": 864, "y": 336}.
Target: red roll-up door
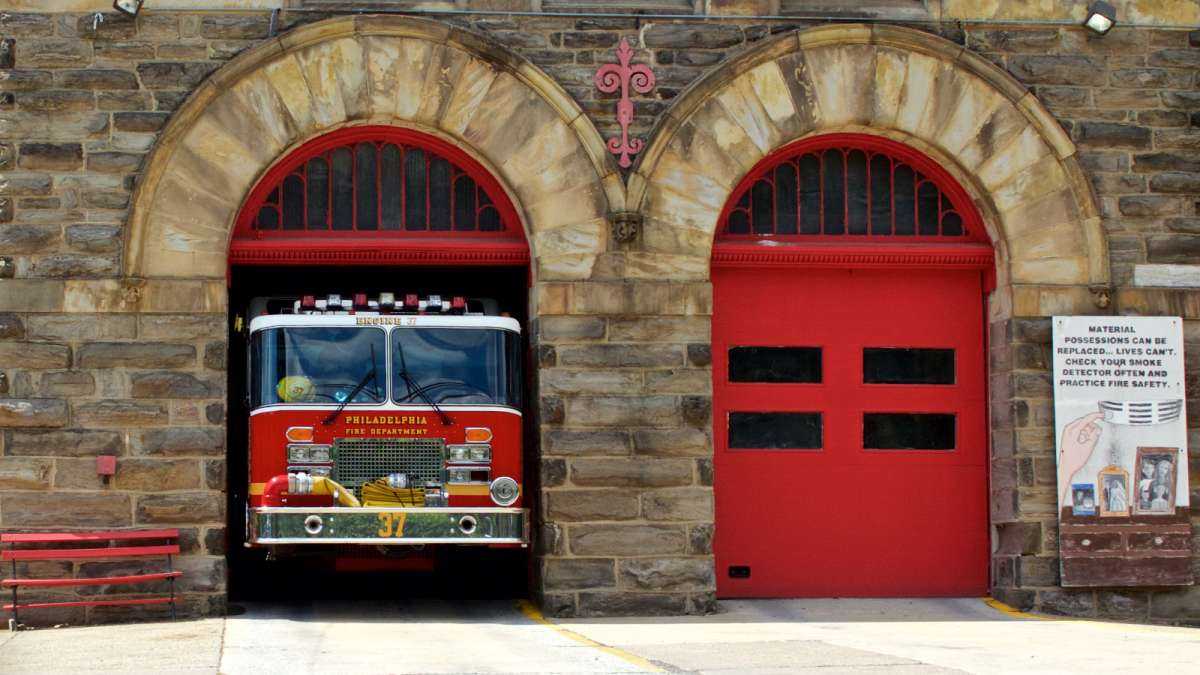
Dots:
{"x": 850, "y": 432}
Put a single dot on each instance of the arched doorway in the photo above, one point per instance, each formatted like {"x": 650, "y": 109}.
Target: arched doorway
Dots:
{"x": 359, "y": 212}
{"x": 849, "y": 376}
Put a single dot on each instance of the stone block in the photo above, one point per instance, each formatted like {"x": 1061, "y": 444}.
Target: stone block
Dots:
{"x": 157, "y": 475}
{"x": 578, "y": 573}
{"x": 215, "y": 355}
{"x": 75, "y": 266}
{"x": 1130, "y": 604}
{"x": 1176, "y": 182}
{"x": 97, "y": 78}
{"x": 1148, "y": 205}
{"x": 684, "y": 442}
{"x": 215, "y": 540}
{"x": 81, "y": 326}
{"x": 576, "y": 442}
{"x": 679, "y": 381}
{"x": 647, "y": 411}
{"x": 26, "y": 473}
{"x": 666, "y": 574}
{"x": 1167, "y": 161}
{"x": 179, "y": 441}
{"x": 181, "y": 507}
{"x": 620, "y": 356}
{"x": 54, "y": 53}
{"x": 119, "y": 413}
{"x": 1070, "y": 69}
{"x": 1176, "y": 604}
{"x": 53, "y": 101}
{"x": 1037, "y": 571}
{"x": 235, "y": 26}
{"x": 571, "y": 328}
{"x": 35, "y": 355}
{"x": 1112, "y": 135}
{"x": 660, "y": 35}
{"x": 1067, "y": 602}
{"x": 181, "y": 327}
{"x": 67, "y": 383}
{"x": 660, "y": 329}
{"x": 11, "y": 327}
{"x": 214, "y": 474}
{"x": 622, "y": 539}
{"x": 174, "y": 74}
{"x": 699, "y": 355}
{"x": 51, "y": 156}
{"x": 28, "y": 238}
{"x": 1173, "y": 248}
{"x": 114, "y": 162}
{"x": 136, "y": 355}
{"x": 630, "y": 472}
{"x": 140, "y": 122}
{"x": 64, "y": 443}
{"x": 681, "y": 504}
{"x": 585, "y": 505}
{"x": 168, "y": 384}
{"x": 700, "y": 539}
{"x": 33, "y": 412}
{"x": 94, "y": 238}
{"x": 631, "y": 604}
{"x": 563, "y": 381}
{"x": 553, "y": 472}
{"x": 64, "y": 509}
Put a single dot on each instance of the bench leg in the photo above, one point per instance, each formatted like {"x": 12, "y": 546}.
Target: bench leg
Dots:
{"x": 171, "y": 568}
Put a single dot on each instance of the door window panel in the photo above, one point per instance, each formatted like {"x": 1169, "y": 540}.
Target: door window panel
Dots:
{"x": 908, "y": 431}
{"x": 900, "y": 365}
{"x": 775, "y": 430}
{"x": 775, "y": 364}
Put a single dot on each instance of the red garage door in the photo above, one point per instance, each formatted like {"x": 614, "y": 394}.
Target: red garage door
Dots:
{"x": 849, "y": 375}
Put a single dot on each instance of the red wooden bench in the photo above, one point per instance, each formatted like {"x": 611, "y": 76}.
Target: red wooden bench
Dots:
{"x": 75, "y": 546}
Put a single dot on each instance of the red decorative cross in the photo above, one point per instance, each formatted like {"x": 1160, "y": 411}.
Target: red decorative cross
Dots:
{"x": 623, "y": 76}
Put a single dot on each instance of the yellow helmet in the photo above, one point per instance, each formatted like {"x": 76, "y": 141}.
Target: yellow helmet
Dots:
{"x": 295, "y": 389}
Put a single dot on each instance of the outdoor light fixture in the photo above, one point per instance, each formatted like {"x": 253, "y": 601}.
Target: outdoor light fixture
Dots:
{"x": 130, "y": 7}
{"x": 1101, "y": 17}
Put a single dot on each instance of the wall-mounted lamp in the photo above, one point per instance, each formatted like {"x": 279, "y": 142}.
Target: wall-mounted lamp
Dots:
{"x": 130, "y": 7}
{"x": 1101, "y": 17}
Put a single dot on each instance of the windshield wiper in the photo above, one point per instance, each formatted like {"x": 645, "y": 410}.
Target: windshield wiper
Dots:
{"x": 413, "y": 388}
{"x": 370, "y": 376}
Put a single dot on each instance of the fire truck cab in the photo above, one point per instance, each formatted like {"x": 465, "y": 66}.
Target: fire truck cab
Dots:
{"x": 384, "y": 422}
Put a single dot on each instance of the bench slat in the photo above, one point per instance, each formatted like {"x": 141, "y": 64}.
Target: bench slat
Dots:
{"x": 91, "y": 603}
{"x": 95, "y": 553}
{"x": 96, "y": 581}
{"x": 57, "y": 537}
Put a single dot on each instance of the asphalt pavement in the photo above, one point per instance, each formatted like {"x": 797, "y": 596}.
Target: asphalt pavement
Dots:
{"x": 429, "y": 635}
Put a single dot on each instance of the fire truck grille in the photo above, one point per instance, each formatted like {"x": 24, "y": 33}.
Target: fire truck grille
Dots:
{"x": 360, "y": 460}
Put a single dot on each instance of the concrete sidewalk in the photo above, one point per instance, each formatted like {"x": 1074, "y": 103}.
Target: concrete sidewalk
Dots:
{"x": 763, "y": 636}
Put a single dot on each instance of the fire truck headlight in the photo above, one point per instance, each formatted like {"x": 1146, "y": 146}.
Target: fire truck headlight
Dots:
{"x": 308, "y": 453}
{"x": 481, "y": 453}
{"x": 458, "y": 476}
{"x": 504, "y": 491}
{"x": 458, "y": 453}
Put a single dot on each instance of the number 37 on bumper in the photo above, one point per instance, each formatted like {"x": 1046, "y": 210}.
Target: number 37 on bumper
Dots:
{"x": 391, "y": 524}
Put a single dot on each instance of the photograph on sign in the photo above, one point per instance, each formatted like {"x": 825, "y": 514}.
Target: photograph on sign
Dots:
{"x": 1121, "y": 437}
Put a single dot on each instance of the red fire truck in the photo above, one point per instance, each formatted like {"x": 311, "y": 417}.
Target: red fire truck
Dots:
{"x": 384, "y": 421}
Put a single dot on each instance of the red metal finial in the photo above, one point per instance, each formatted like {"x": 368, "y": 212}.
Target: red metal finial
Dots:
{"x": 623, "y": 76}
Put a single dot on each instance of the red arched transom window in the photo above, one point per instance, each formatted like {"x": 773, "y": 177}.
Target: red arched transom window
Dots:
{"x": 388, "y": 192}
{"x": 848, "y": 187}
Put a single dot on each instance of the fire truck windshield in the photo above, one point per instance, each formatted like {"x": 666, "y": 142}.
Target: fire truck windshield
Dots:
{"x": 456, "y": 366}
{"x": 316, "y": 365}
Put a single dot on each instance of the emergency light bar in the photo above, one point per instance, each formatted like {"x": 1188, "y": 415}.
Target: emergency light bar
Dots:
{"x": 386, "y": 304}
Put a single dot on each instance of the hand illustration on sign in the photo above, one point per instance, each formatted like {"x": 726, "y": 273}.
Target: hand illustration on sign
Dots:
{"x": 1079, "y": 440}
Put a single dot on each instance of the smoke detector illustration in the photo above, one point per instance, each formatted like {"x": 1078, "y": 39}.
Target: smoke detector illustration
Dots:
{"x": 1140, "y": 413}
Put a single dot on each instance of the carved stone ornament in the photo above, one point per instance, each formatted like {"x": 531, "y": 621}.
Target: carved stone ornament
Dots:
{"x": 625, "y": 225}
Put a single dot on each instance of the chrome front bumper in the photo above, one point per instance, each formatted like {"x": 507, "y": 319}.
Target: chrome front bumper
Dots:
{"x": 387, "y": 526}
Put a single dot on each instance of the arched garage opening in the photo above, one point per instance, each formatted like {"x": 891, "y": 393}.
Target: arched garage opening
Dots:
{"x": 368, "y": 209}
{"x": 850, "y": 411}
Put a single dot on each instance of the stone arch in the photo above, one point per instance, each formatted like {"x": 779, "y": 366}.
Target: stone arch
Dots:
{"x": 982, "y": 125}
{"x": 393, "y": 70}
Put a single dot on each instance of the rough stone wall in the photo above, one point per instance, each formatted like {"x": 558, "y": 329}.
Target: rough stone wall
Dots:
{"x": 90, "y": 366}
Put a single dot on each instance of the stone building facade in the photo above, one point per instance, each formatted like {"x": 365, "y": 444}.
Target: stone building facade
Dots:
{"x": 127, "y": 146}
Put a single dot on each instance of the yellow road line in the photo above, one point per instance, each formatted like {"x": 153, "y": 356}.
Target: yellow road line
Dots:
{"x": 1016, "y": 613}
{"x": 534, "y": 614}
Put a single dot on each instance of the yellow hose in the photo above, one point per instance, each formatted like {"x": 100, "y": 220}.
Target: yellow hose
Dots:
{"x": 323, "y": 485}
